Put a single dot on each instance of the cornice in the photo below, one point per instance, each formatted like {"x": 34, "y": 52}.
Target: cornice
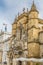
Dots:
{"x": 33, "y": 27}
{"x": 33, "y": 42}
{"x": 33, "y": 18}
{"x": 33, "y": 11}
{"x": 37, "y": 57}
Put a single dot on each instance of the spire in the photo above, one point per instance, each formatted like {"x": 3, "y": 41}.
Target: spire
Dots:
{"x": 33, "y": 7}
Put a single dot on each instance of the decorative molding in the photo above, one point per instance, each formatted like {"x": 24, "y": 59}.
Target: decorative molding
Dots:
{"x": 33, "y": 27}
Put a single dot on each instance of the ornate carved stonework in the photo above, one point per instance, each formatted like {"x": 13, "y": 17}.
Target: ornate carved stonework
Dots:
{"x": 26, "y": 41}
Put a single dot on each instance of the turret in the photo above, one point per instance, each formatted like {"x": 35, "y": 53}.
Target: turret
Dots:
{"x": 33, "y": 13}
{"x": 33, "y": 30}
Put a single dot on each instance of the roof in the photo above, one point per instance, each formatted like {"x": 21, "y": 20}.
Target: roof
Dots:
{"x": 33, "y": 8}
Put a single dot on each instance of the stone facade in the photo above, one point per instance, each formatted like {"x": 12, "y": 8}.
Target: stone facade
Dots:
{"x": 25, "y": 37}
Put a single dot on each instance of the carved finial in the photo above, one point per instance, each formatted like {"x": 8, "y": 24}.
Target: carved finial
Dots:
{"x": 33, "y": 5}
{"x": 33, "y": 1}
{"x": 23, "y": 9}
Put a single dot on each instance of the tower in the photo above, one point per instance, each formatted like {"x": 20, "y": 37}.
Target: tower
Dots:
{"x": 33, "y": 29}
{"x": 33, "y": 13}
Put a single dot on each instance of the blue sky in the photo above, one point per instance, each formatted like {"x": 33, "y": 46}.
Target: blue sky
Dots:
{"x": 10, "y": 8}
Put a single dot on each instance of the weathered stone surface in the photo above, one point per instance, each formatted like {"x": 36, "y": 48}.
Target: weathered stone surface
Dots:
{"x": 33, "y": 50}
{"x": 29, "y": 40}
